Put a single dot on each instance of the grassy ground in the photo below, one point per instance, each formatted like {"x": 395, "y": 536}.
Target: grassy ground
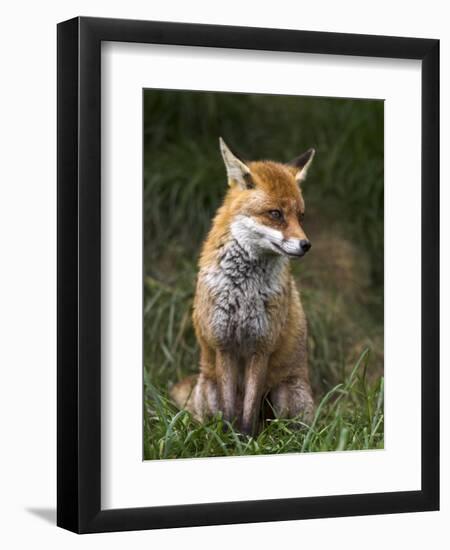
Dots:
{"x": 341, "y": 279}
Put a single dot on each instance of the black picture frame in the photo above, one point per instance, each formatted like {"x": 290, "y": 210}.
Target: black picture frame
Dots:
{"x": 79, "y": 280}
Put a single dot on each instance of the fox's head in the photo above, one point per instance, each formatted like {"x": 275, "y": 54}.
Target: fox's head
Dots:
{"x": 265, "y": 203}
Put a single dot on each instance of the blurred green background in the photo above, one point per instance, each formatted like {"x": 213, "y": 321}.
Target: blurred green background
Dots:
{"x": 341, "y": 279}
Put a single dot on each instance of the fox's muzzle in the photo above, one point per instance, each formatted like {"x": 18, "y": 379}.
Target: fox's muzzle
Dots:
{"x": 293, "y": 247}
{"x": 302, "y": 247}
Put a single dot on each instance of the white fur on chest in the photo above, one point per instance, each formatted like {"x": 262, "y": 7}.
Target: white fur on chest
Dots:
{"x": 242, "y": 286}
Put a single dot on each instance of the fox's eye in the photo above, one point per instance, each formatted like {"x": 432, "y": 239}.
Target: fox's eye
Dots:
{"x": 275, "y": 214}
{"x": 301, "y": 216}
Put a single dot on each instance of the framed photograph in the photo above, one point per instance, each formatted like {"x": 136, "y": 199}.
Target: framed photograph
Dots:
{"x": 248, "y": 259}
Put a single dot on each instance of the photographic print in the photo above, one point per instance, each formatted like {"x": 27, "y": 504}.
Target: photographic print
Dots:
{"x": 234, "y": 266}
{"x": 263, "y": 274}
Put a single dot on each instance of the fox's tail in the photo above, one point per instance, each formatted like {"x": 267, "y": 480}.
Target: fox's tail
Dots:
{"x": 182, "y": 391}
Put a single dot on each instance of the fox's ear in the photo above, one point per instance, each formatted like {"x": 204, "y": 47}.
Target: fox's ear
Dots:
{"x": 302, "y": 163}
{"x": 238, "y": 172}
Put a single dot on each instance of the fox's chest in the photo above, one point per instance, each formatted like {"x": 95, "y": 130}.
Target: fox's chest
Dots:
{"x": 244, "y": 294}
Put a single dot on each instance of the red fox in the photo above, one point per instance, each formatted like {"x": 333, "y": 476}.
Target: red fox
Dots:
{"x": 247, "y": 315}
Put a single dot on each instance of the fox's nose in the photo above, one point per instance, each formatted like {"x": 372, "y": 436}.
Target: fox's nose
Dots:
{"x": 305, "y": 245}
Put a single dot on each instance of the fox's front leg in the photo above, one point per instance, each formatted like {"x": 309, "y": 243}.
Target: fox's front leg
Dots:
{"x": 255, "y": 379}
{"x": 227, "y": 378}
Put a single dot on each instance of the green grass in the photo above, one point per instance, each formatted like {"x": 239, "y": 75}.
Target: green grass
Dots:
{"x": 341, "y": 279}
{"x": 348, "y": 417}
